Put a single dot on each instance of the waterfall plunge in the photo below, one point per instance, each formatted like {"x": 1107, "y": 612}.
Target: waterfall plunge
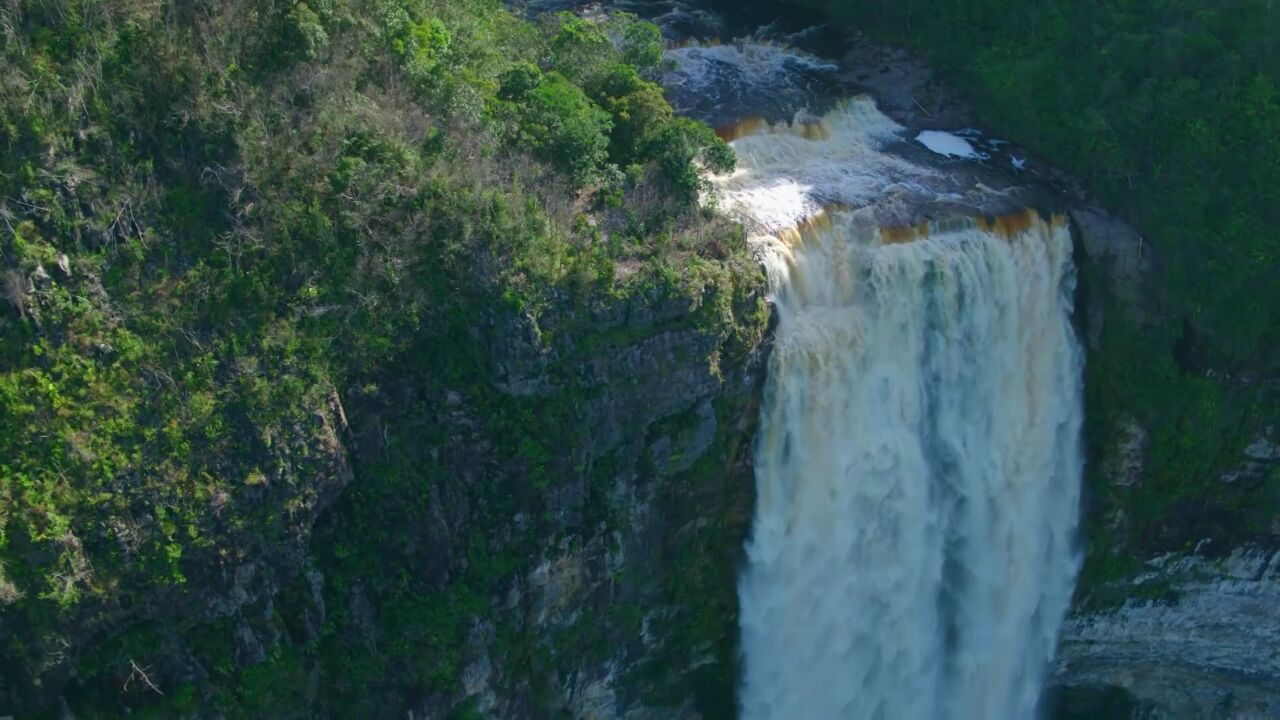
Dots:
{"x": 918, "y": 463}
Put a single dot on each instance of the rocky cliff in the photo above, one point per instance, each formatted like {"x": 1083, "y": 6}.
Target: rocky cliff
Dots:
{"x": 1195, "y": 637}
{"x": 1174, "y": 611}
{"x": 621, "y": 602}
{"x": 554, "y": 534}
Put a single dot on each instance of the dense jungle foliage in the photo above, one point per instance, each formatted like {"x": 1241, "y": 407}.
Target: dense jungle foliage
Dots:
{"x": 222, "y": 221}
{"x": 1169, "y": 112}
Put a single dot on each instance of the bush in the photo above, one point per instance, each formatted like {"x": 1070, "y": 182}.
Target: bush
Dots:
{"x": 680, "y": 145}
{"x": 564, "y": 127}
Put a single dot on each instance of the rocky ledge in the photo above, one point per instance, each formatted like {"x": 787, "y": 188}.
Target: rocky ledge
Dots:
{"x": 1197, "y": 638}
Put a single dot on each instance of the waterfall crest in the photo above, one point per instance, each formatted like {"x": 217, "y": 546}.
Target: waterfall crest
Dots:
{"x": 918, "y": 462}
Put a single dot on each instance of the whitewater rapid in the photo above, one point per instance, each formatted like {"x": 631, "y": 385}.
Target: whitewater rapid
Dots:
{"x": 918, "y": 462}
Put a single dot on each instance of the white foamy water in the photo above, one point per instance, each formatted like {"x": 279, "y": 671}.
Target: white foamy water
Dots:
{"x": 788, "y": 173}
{"x": 918, "y": 462}
{"x": 760, "y": 65}
{"x": 947, "y": 144}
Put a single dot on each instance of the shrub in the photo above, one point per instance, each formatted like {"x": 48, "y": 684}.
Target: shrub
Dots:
{"x": 563, "y": 126}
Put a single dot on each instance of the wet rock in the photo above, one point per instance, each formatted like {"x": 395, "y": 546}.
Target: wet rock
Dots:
{"x": 438, "y": 540}
{"x": 726, "y": 84}
{"x": 556, "y": 585}
{"x": 248, "y": 650}
{"x": 677, "y": 453}
{"x": 521, "y": 361}
{"x": 905, "y": 88}
{"x": 363, "y": 615}
{"x": 1260, "y": 456}
{"x": 314, "y": 610}
{"x": 181, "y": 666}
{"x": 477, "y": 676}
{"x": 1121, "y": 252}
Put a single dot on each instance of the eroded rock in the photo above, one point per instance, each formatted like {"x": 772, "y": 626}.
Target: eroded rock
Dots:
{"x": 1203, "y": 642}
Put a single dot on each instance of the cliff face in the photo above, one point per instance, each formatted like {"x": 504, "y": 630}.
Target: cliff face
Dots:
{"x": 1174, "y": 608}
{"x": 135, "y": 639}
{"x": 555, "y": 530}
{"x": 622, "y": 599}
{"x": 1188, "y": 632}
{"x": 1195, "y": 638}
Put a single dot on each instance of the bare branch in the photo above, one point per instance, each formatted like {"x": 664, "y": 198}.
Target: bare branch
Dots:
{"x": 141, "y": 675}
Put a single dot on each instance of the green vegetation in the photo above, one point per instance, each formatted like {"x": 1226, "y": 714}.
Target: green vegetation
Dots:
{"x": 228, "y": 230}
{"x": 1169, "y": 111}
{"x": 260, "y": 260}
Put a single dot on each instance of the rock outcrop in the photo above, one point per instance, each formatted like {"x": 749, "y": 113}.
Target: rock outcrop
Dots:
{"x": 629, "y": 589}
{"x": 1197, "y": 638}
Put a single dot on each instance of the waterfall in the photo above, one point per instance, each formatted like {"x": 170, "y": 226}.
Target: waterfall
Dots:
{"x": 918, "y": 462}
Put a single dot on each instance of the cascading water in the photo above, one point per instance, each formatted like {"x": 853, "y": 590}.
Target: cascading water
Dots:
{"x": 918, "y": 463}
